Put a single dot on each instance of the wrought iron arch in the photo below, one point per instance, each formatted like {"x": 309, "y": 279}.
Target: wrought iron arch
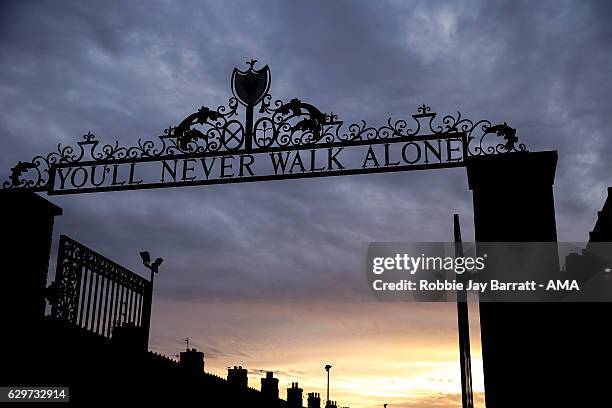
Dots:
{"x": 276, "y": 126}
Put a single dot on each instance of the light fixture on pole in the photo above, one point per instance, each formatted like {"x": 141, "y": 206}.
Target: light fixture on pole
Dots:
{"x": 153, "y": 267}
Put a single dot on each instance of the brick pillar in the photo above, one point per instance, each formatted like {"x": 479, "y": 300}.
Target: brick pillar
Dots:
{"x": 27, "y": 229}
{"x": 513, "y": 197}
{"x": 534, "y": 354}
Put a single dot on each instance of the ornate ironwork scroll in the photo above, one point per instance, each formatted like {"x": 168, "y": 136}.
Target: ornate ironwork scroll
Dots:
{"x": 269, "y": 126}
{"x": 95, "y": 293}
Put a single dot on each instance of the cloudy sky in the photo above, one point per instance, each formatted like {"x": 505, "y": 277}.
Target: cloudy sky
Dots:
{"x": 268, "y": 275}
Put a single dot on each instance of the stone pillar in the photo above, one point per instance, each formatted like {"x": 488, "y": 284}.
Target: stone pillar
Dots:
{"x": 513, "y": 196}
{"x": 27, "y": 229}
{"x": 534, "y": 354}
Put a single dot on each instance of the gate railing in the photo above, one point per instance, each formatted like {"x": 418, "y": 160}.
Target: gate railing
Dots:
{"x": 97, "y": 294}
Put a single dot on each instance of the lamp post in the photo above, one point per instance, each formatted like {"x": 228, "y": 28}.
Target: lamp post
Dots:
{"x": 152, "y": 266}
{"x": 327, "y": 367}
{"x": 148, "y": 297}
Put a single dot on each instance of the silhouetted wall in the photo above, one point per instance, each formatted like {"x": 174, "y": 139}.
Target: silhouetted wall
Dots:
{"x": 130, "y": 338}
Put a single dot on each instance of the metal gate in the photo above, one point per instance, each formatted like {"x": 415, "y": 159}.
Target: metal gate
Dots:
{"x": 97, "y": 294}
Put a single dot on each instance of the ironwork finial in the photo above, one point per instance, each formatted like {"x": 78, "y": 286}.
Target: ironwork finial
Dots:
{"x": 251, "y": 62}
{"x": 89, "y": 136}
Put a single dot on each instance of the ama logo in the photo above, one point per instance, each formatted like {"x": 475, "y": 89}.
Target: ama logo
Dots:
{"x": 562, "y": 285}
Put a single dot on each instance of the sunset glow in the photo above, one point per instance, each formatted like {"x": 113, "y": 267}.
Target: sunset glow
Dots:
{"x": 402, "y": 354}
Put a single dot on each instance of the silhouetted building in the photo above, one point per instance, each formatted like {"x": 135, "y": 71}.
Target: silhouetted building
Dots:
{"x": 294, "y": 396}
{"x": 192, "y": 360}
{"x": 331, "y": 404}
{"x": 314, "y": 400}
{"x": 602, "y": 232}
{"x": 237, "y": 377}
{"x": 269, "y": 386}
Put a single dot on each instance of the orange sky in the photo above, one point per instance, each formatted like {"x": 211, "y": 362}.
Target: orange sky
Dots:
{"x": 403, "y": 354}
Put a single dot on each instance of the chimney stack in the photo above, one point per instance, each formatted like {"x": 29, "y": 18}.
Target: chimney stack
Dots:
{"x": 269, "y": 386}
{"x": 314, "y": 400}
{"x": 192, "y": 360}
{"x": 237, "y": 378}
{"x": 294, "y": 396}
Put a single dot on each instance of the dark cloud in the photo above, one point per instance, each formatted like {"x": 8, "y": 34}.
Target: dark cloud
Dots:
{"x": 128, "y": 70}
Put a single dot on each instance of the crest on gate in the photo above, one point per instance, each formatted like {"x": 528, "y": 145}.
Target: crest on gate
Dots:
{"x": 250, "y": 86}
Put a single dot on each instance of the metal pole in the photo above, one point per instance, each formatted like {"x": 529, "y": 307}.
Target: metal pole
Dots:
{"x": 146, "y": 311}
{"x": 248, "y": 142}
{"x": 467, "y": 397}
{"x": 148, "y": 295}
{"x": 328, "y": 386}
{"x": 327, "y": 367}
